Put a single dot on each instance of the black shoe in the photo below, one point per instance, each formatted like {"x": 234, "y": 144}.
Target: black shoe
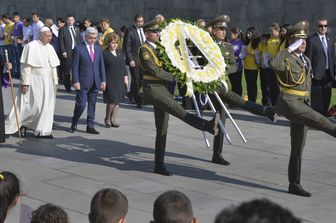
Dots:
{"x": 45, "y": 137}
{"x": 115, "y": 125}
{"x": 295, "y": 188}
{"x": 107, "y": 125}
{"x": 92, "y": 130}
{"x": 218, "y": 159}
{"x": 73, "y": 128}
{"x": 23, "y": 131}
{"x": 162, "y": 171}
{"x": 68, "y": 90}
{"x": 270, "y": 114}
{"x": 139, "y": 105}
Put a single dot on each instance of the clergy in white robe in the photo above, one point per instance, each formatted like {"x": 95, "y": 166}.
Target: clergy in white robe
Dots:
{"x": 36, "y": 100}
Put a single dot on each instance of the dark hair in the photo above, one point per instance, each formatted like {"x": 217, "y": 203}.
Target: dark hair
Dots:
{"x": 6, "y": 16}
{"x": 35, "y": 13}
{"x": 60, "y": 19}
{"x": 69, "y": 15}
{"x": 137, "y": 16}
{"x": 255, "y": 37}
{"x": 172, "y": 207}
{"x": 88, "y": 19}
{"x": 123, "y": 28}
{"x": 9, "y": 191}
{"x": 26, "y": 19}
{"x": 238, "y": 31}
{"x": 15, "y": 14}
{"x": 255, "y": 211}
{"x": 108, "y": 206}
{"x": 49, "y": 213}
{"x": 284, "y": 38}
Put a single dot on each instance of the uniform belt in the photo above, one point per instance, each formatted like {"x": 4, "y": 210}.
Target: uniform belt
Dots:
{"x": 294, "y": 92}
{"x": 151, "y": 78}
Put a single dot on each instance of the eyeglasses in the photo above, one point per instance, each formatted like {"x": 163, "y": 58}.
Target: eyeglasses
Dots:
{"x": 321, "y": 26}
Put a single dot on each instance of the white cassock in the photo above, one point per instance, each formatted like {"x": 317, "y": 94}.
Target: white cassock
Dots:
{"x": 36, "y": 107}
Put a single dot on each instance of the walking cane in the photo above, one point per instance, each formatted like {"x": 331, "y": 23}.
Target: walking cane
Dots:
{"x": 13, "y": 97}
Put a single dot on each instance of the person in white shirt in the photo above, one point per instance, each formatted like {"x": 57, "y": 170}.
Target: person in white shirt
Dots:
{"x": 36, "y": 101}
{"x": 37, "y": 24}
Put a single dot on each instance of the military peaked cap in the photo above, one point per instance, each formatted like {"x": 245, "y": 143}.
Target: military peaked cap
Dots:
{"x": 299, "y": 30}
{"x": 153, "y": 25}
{"x": 220, "y": 21}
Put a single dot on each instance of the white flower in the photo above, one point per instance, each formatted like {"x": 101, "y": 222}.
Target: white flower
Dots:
{"x": 216, "y": 65}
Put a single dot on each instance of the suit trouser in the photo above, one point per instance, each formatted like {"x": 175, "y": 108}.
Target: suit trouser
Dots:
{"x": 236, "y": 82}
{"x": 273, "y": 86}
{"x": 83, "y": 96}
{"x": 321, "y": 95}
{"x": 251, "y": 77}
{"x": 300, "y": 112}
{"x": 67, "y": 65}
{"x": 2, "y": 117}
{"x": 265, "y": 90}
{"x": 302, "y": 116}
{"x": 228, "y": 98}
{"x": 164, "y": 104}
{"x": 136, "y": 84}
{"x": 161, "y": 125}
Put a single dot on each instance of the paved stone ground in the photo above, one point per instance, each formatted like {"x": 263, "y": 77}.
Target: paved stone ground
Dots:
{"x": 69, "y": 169}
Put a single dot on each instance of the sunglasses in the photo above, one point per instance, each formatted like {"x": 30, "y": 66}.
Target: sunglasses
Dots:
{"x": 321, "y": 26}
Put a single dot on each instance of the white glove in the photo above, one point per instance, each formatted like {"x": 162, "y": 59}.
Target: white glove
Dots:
{"x": 295, "y": 45}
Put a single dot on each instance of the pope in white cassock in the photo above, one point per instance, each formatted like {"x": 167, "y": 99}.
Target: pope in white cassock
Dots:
{"x": 36, "y": 101}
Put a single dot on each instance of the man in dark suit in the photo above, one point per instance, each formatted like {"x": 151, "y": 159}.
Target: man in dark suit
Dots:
{"x": 69, "y": 37}
{"x": 88, "y": 74}
{"x": 134, "y": 37}
{"x": 321, "y": 52}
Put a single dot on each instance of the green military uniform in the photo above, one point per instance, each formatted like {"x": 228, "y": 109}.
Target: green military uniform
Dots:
{"x": 294, "y": 79}
{"x": 155, "y": 92}
{"x": 228, "y": 96}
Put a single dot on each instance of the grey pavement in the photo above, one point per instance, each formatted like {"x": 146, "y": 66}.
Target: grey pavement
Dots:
{"x": 69, "y": 169}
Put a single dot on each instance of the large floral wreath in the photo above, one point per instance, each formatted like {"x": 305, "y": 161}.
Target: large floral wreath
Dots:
{"x": 204, "y": 78}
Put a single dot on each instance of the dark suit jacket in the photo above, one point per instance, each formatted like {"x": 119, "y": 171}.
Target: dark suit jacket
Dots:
{"x": 65, "y": 39}
{"x": 88, "y": 73}
{"x": 131, "y": 45}
{"x": 315, "y": 53}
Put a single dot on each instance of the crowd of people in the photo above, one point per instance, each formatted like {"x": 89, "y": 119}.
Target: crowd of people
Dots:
{"x": 295, "y": 70}
{"x": 109, "y": 205}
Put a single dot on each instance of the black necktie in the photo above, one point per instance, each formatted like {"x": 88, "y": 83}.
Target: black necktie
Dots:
{"x": 304, "y": 62}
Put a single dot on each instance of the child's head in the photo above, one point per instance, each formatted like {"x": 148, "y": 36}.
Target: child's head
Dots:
{"x": 108, "y": 206}
{"x": 9, "y": 193}
{"x": 49, "y": 213}
{"x": 173, "y": 206}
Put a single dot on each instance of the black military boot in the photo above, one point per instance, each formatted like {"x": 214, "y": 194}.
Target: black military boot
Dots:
{"x": 294, "y": 175}
{"x": 210, "y": 126}
{"x": 217, "y": 149}
{"x": 260, "y": 110}
{"x": 160, "y": 148}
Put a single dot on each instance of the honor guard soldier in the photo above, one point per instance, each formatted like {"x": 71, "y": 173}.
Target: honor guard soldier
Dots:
{"x": 219, "y": 26}
{"x": 155, "y": 92}
{"x": 294, "y": 72}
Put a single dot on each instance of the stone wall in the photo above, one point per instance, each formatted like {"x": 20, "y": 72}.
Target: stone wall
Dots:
{"x": 243, "y": 13}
